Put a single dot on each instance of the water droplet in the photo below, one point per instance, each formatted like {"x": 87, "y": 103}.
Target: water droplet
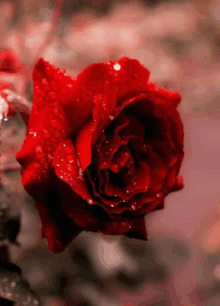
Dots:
{"x": 36, "y": 166}
{"x": 69, "y": 159}
{"x": 107, "y": 141}
{"x": 46, "y": 133}
{"x": 69, "y": 167}
{"x": 7, "y": 91}
{"x": 70, "y": 86}
{"x": 45, "y": 84}
{"x": 112, "y": 205}
{"x": 61, "y": 176}
{"x": 135, "y": 183}
{"x": 58, "y": 165}
{"x": 111, "y": 117}
{"x": 90, "y": 201}
{"x": 117, "y": 66}
{"x": 133, "y": 207}
{"x": 52, "y": 95}
{"x": 5, "y": 119}
{"x": 123, "y": 201}
{"x": 57, "y": 134}
{"x": 135, "y": 76}
{"x": 54, "y": 124}
{"x": 159, "y": 194}
{"x": 13, "y": 284}
{"x": 127, "y": 191}
{"x": 39, "y": 152}
{"x": 61, "y": 71}
{"x": 67, "y": 149}
{"x": 10, "y": 98}
{"x": 33, "y": 133}
{"x": 114, "y": 168}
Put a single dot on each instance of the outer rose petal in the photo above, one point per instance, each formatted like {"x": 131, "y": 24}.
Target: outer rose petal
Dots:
{"x": 53, "y": 85}
{"x": 138, "y": 230}
{"x": 45, "y": 132}
{"x": 108, "y": 81}
{"x": 67, "y": 168}
{"x": 57, "y": 227}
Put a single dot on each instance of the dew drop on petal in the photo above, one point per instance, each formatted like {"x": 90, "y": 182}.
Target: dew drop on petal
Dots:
{"x": 159, "y": 194}
{"x": 13, "y": 284}
{"x": 135, "y": 183}
{"x": 114, "y": 168}
{"x": 56, "y": 112}
{"x": 46, "y": 133}
{"x": 90, "y": 201}
{"x": 39, "y": 152}
{"x": 52, "y": 95}
{"x": 54, "y": 123}
{"x": 111, "y": 117}
{"x": 69, "y": 85}
{"x": 69, "y": 159}
{"x": 69, "y": 167}
{"x": 117, "y": 66}
{"x": 57, "y": 134}
{"x": 67, "y": 150}
{"x": 45, "y": 84}
{"x": 127, "y": 191}
{"x": 58, "y": 165}
{"x": 36, "y": 166}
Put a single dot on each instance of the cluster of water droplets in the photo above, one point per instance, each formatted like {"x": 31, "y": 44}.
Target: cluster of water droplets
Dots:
{"x": 15, "y": 289}
{"x": 3, "y": 109}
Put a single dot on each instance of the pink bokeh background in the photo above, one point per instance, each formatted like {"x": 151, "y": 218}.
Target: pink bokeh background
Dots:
{"x": 179, "y": 42}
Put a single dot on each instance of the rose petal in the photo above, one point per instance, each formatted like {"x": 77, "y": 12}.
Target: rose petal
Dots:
{"x": 45, "y": 132}
{"x": 67, "y": 169}
{"x": 53, "y": 85}
{"x": 138, "y": 230}
{"x": 57, "y": 227}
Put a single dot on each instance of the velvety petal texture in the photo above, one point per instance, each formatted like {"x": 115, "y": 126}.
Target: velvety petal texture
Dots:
{"x": 101, "y": 151}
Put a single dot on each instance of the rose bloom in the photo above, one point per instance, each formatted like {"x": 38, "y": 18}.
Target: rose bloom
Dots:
{"x": 101, "y": 150}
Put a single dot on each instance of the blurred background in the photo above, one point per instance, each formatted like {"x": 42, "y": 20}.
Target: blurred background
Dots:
{"x": 179, "y": 42}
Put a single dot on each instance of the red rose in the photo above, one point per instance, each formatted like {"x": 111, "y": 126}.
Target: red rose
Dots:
{"x": 101, "y": 151}
{"x": 9, "y": 63}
